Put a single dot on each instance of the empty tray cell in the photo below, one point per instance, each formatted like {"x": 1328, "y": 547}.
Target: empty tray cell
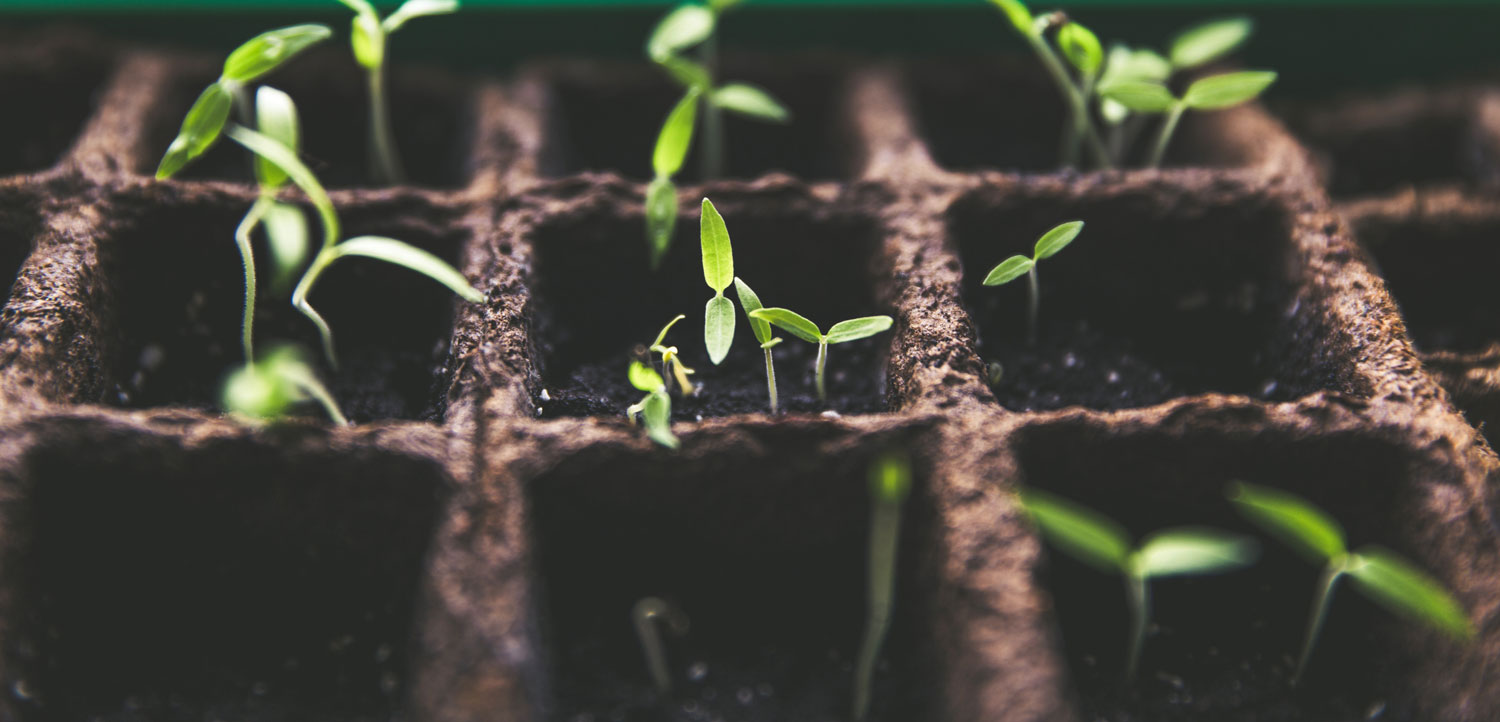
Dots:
{"x": 177, "y": 288}
{"x": 18, "y": 226}
{"x": 1167, "y": 292}
{"x": 607, "y": 118}
{"x": 765, "y": 555}
{"x": 52, "y": 87}
{"x": 215, "y": 576}
{"x": 597, "y": 302}
{"x": 431, "y": 113}
{"x": 1224, "y": 647}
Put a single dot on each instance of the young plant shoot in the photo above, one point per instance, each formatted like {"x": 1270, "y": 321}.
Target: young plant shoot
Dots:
{"x": 841, "y": 332}
{"x": 671, "y": 363}
{"x": 266, "y": 390}
{"x": 1214, "y": 92}
{"x": 751, "y": 303}
{"x": 368, "y": 38}
{"x": 890, "y": 484}
{"x": 647, "y": 614}
{"x": 1094, "y": 539}
{"x": 656, "y": 408}
{"x": 1016, "y": 266}
{"x": 683, "y": 28}
{"x": 718, "y": 273}
{"x": 1377, "y": 572}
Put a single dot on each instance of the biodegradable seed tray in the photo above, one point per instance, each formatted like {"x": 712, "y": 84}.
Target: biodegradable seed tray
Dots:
{"x": 471, "y": 547}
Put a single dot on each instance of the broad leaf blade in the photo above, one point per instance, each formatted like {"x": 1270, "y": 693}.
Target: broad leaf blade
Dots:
{"x": 858, "y": 328}
{"x": 1293, "y": 520}
{"x": 1405, "y": 589}
{"x": 661, "y": 217}
{"x": 1230, "y": 89}
{"x": 1210, "y": 41}
{"x": 682, "y": 28}
{"x": 792, "y": 322}
{"x": 658, "y": 415}
{"x": 1078, "y": 531}
{"x": 645, "y": 378}
{"x": 718, "y": 328}
{"x": 751, "y": 303}
{"x": 1057, "y": 239}
{"x": 1009, "y": 270}
{"x": 391, "y": 250}
{"x": 1081, "y": 47}
{"x": 202, "y": 126}
{"x": 267, "y": 51}
{"x": 718, "y": 255}
{"x": 1016, "y": 11}
{"x": 287, "y": 236}
{"x": 416, "y": 9}
{"x": 1139, "y": 96}
{"x": 750, "y": 101}
{"x": 1193, "y": 550}
{"x": 276, "y": 118}
{"x": 676, "y": 135}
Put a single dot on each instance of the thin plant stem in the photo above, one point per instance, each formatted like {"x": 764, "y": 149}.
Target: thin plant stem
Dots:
{"x": 386, "y": 162}
{"x": 1077, "y": 106}
{"x": 325, "y": 257}
{"x": 1326, "y": 583}
{"x": 822, "y": 361}
{"x": 319, "y": 393}
{"x": 1139, "y": 597}
{"x": 1079, "y": 128}
{"x": 885, "y": 532}
{"x": 712, "y": 163}
{"x": 247, "y": 256}
{"x": 645, "y": 615}
{"x": 771, "y": 379}
{"x": 1033, "y": 305}
{"x": 1167, "y": 128}
{"x": 1114, "y": 142}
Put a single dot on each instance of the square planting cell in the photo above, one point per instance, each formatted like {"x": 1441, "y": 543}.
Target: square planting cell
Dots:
{"x": 432, "y": 115}
{"x": 51, "y": 88}
{"x": 154, "y": 578}
{"x": 597, "y": 306}
{"x": 18, "y": 226}
{"x": 768, "y": 562}
{"x": 1167, "y": 292}
{"x": 607, "y": 118}
{"x": 176, "y": 288}
{"x": 1224, "y": 647}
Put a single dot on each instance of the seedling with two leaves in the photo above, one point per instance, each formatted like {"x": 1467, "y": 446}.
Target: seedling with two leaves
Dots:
{"x": 671, "y": 362}
{"x": 795, "y": 324}
{"x": 656, "y": 408}
{"x": 1379, "y": 573}
{"x": 1098, "y": 541}
{"x": 890, "y": 485}
{"x": 682, "y": 29}
{"x": 718, "y": 316}
{"x": 1214, "y": 92}
{"x": 1016, "y": 266}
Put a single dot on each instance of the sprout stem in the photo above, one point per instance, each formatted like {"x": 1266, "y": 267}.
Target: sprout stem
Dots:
{"x": 822, "y": 361}
{"x": 1074, "y": 136}
{"x": 713, "y": 117}
{"x": 325, "y": 257}
{"x": 645, "y": 614}
{"x": 1077, "y": 105}
{"x": 247, "y": 256}
{"x": 1167, "y": 128}
{"x": 1033, "y": 305}
{"x": 1139, "y": 597}
{"x": 386, "y": 163}
{"x": 885, "y": 532}
{"x": 771, "y": 379}
{"x": 1326, "y": 582}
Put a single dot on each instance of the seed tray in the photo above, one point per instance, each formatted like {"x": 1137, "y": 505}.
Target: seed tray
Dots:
{"x": 470, "y": 548}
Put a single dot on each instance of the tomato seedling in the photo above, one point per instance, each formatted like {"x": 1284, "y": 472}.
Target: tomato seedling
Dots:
{"x": 267, "y": 389}
{"x": 671, "y": 362}
{"x": 890, "y": 484}
{"x": 648, "y": 614}
{"x": 750, "y": 303}
{"x": 1016, "y": 266}
{"x": 655, "y": 408}
{"x": 841, "y": 332}
{"x": 1214, "y": 92}
{"x": 718, "y": 273}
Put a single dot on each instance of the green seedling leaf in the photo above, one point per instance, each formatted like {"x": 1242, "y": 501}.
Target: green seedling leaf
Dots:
{"x": 1193, "y": 551}
{"x": 658, "y": 415}
{"x": 1291, "y": 519}
{"x": 750, "y": 303}
{"x": 676, "y": 136}
{"x": 1081, "y": 47}
{"x": 663, "y": 335}
{"x": 718, "y": 328}
{"x": 267, "y": 51}
{"x": 718, "y": 255}
{"x": 661, "y": 217}
{"x": 363, "y": 7}
{"x": 1404, "y": 589}
{"x": 750, "y": 101}
{"x": 1229, "y": 89}
{"x": 416, "y": 9}
{"x": 406, "y": 255}
{"x": 287, "y": 160}
{"x": 1056, "y": 239}
{"x": 857, "y": 328}
{"x": 773, "y": 343}
{"x": 682, "y": 28}
{"x": 368, "y": 40}
{"x": 276, "y": 118}
{"x": 1143, "y": 64}
{"x": 1009, "y": 270}
{"x": 890, "y": 478}
{"x": 690, "y": 74}
{"x": 266, "y": 389}
{"x": 792, "y": 322}
{"x": 287, "y": 236}
{"x": 202, "y": 126}
{"x": 1205, "y": 43}
{"x": 1017, "y": 13}
{"x": 1081, "y": 532}
{"x": 645, "y": 378}
{"x": 1139, "y": 96}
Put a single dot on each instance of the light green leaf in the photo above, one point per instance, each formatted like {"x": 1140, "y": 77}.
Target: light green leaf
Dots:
{"x": 1112, "y": 112}
{"x": 1081, "y": 47}
{"x": 792, "y": 322}
{"x": 285, "y": 159}
{"x": 857, "y": 328}
{"x": 1139, "y": 96}
{"x": 416, "y": 9}
{"x": 1229, "y": 89}
{"x": 1193, "y": 550}
{"x": 362, "y": 7}
{"x": 1078, "y": 531}
{"x": 391, "y": 250}
{"x": 1293, "y": 520}
{"x": 1018, "y": 14}
{"x": 690, "y": 74}
{"x": 1142, "y": 64}
{"x": 202, "y": 126}
{"x": 773, "y": 343}
{"x": 661, "y": 217}
{"x": 287, "y": 236}
{"x": 1009, "y": 270}
{"x": 718, "y": 328}
{"x": 890, "y": 478}
{"x": 718, "y": 255}
{"x": 254, "y": 391}
{"x": 1404, "y": 589}
{"x": 658, "y": 415}
{"x": 276, "y": 118}
{"x": 751, "y": 302}
{"x": 1210, "y": 41}
{"x": 1057, "y": 239}
{"x": 645, "y": 378}
{"x": 368, "y": 41}
{"x": 682, "y": 28}
{"x": 663, "y": 335}
{"x": 751, "y": 101}
{"x": 676, "y": 136}
{"x": 267, "y": 51}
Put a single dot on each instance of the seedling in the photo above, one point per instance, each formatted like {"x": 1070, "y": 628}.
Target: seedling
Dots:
{"x": 369, "y": 39}
{"x": 685, "y": 27}
{"x": 1211, "y": 93}
{"x": 718, "y": 273}
{"x": 671, "y": 363}
{"x": 1016, "y": 266}
{"x": 656, "y": 408}
{"x": 646, "y": 614}
{"x": 751, "y": 303}
{"x": 1379, "y": 573}
{"x": 1083, "y": 51}
{"x": 890, "y": 484}
{"x": 267, "y": 389}
{"x": 1098, "y": 541}
{"x": 841, "y": 332}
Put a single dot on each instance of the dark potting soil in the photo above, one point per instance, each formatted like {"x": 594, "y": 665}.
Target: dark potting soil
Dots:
{"x": 1437, "y": 272}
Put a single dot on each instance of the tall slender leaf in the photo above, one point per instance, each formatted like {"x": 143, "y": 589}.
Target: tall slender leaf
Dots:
{"x": 718, "y": 254}
{"x": 267, "y": 51}
{"x": 1193, "y": 551}
{"x": 1394, "y": 582}
{"x": 857, "y": 328}
{"x": 718, "y": 328}
{"x": 1081, "y": 532}
{"x": 676, "y": 135}
{"x": 1229, "y": 89}
{"x": 1056, "y": 239}
{"x": 202, "y": 126}
{"x": 1291, "y": 519}
{"x": 792, "y": 322}
{"x": 391, "y": 250}
{"x": 1009, "y": 270}
{"x": 1205, "y": 43}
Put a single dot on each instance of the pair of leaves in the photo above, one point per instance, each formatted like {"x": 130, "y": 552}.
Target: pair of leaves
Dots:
{"x": 1047, "y": 246}
{"x": 718, "y": 273}
{"x": 1212, "y": 93}
{"x": 267, "y": 389}
{"x": 841, "y": 332}
{"x": 368, "y": 33}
